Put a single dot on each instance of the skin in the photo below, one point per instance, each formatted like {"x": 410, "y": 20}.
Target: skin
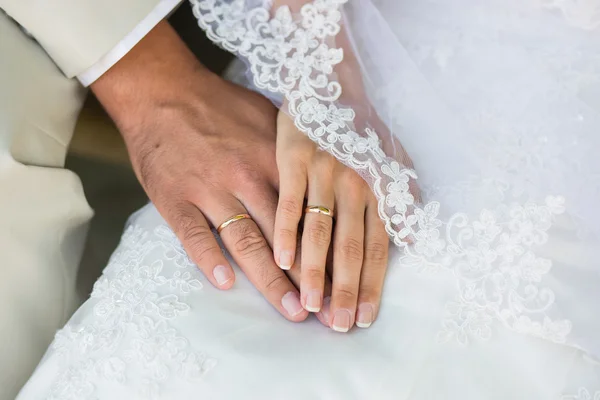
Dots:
{"x": 205, "y": 150}
{"x": 358, "y": 239}
{"x": 200, "y": 163}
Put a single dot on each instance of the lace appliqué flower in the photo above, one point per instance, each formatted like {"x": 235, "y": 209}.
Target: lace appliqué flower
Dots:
{"x": 497, "y": 273}
{"x": 135, "y": 300}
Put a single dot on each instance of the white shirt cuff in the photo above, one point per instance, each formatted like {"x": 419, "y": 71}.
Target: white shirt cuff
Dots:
{"x": 159, "y": 13}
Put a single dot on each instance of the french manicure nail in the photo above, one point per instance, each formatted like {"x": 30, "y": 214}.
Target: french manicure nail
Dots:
{"x": 222, "y": 274}
{"x": 365, "y": 315}
{"x": 291, "y": 302}
{"x": 341, "y": 321}
{"x": 313, "y": 301}
{"x": 285, "y": 260}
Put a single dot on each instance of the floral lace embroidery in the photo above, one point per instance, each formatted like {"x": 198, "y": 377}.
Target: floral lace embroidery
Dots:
{"x": 496, "y": 270}
{"x": 291, "y": 57}
{"x": 135, "y": 299}
{"x": 582, "y": 394}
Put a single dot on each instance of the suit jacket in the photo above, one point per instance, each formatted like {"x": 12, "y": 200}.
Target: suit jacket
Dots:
{"x": 43, "y": 212}
{"x": 77, "y": 33}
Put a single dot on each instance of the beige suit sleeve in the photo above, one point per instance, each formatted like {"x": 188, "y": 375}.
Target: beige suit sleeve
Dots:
{"x": 77, "y": 33}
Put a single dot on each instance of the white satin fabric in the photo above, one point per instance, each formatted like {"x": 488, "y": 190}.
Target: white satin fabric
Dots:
{"x": 497, "y": 104}
{"x": 150, "y": 330}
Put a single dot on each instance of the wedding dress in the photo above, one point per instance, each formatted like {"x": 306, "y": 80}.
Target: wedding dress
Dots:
{"x": 494, "y": 296}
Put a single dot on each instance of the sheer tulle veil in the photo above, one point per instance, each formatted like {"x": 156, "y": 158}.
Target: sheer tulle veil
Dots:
{"x": 484, "y": 107}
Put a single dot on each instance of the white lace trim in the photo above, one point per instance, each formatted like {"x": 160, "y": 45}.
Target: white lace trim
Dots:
{"x": 136, "y": 299}
{"x": 492, "y": 258}
{"x": 497, "y": 272}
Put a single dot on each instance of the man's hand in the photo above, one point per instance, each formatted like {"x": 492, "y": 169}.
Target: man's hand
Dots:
{"x": 204, "y": 150}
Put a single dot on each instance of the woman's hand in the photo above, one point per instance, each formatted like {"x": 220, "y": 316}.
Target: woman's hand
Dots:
{"x": 360, "y": 243}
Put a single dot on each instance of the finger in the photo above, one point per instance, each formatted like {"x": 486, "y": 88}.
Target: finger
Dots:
{"x": 316, "y": 235}
{"x": 250, "y": 250}
{"x": 197, "y": 238}
{"x": 292, "y": 190}
{"x": 294, "y": 273}
{"x": 262, "y": 204}
{"x": 263, "y": 207}
{"x": 295, "y": 276}
{"x": 347, "y": 259}
{"x": 323, "y": 315}
{"x": 374, "y": 268}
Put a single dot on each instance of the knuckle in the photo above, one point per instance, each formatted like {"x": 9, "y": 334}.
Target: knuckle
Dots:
{"x": 201, "y": 252}
{"x": 351, "y": 249}
{"x": 319, "y": 233}
{"x": 369, "y": 294}
{"x": 346, "y": 293}
{"x": 353, "y": 184}
{"x": 183, "y": 218}
{"x": 249, "y": 243}
{"x": 323, "y": 162}
{"x": 200, "y": 243}
{"x": 352, "y": 178}
{"x": 244, "y": 172}
{"x": 287, "y": 234}
{"x": 376, "y": 252}
{"x": 314, "y": 273}
{"x": 302, "y": 151}
{"x": 290, "y": 208}
{"x": 274, "y": 282}
{"x": 197, "y": 239}
{"x": 198, "y": 235}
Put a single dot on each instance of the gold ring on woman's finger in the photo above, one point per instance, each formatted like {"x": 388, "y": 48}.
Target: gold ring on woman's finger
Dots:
{"x": 319, "y": 210}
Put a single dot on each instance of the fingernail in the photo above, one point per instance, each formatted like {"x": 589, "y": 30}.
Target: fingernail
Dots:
{"x": 285, "y": 260}
{"x": 341, "y": 321}
{"x": 291, "y": 302}
{"x": 222, "y": 274}
{"x": 325, "y": 309}
{"x": 313, "y": 301}
{"x": 365, "y": 315}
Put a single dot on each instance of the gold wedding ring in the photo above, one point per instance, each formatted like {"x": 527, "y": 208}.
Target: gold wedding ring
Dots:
{"x": 233, "y": 219}
{"x": 319, "y": 210}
